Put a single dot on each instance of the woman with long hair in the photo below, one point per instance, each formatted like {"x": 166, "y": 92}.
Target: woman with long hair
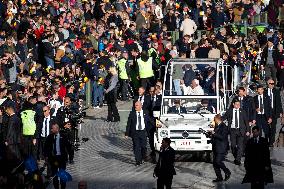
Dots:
{"x": 111, "y": 96}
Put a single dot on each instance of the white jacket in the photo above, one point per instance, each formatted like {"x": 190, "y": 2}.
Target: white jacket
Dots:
{"x": 188, "y": 27}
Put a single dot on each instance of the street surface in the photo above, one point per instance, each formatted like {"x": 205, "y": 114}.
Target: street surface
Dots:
{"x": 106, "y": 161}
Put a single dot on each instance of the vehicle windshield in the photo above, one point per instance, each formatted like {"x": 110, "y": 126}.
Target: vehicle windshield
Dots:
{"x": 191, "y": 79}
{"x": 185, "y": 105}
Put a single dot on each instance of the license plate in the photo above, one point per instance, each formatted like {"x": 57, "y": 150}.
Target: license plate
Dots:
{"x": 184, "y": 143}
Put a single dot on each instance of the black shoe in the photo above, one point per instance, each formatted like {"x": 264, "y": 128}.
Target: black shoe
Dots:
{"x": 71, "y": 162}
{"x": 218, "y": 180}
{"x": 236, "y": 162}
{"x": 138, "y": 163}
{"x": 116, "y": 120}
{"x": 227, "y": 176}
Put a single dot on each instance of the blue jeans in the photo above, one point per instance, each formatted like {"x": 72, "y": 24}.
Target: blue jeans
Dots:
{"x": 49, "y": 61}
{"x": 98, "y": 94}
{"x": 177, "y": 86}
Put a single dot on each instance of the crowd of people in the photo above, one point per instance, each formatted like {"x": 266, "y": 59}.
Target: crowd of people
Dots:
{"x": 50, "y": 49}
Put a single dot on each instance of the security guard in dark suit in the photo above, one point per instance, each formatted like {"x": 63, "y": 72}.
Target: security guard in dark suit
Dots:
{"x": 165, "y": 169}
{"x": 219, "y": 146}
{"x": 238, "y": 126}
{"x": 137, "y": 126}
{"x": 177, "y": 108}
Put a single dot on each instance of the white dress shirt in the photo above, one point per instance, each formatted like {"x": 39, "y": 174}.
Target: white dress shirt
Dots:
{"x": 142, "y": 99}
{"x": 142, "y": 120}
{"x": 233, "y": 125}
{"x": 45, "y": 127}
{"x": 260, "y": 102}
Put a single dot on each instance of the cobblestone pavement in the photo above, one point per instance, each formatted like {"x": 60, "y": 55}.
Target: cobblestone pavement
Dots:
{"x": 106, "y": 161}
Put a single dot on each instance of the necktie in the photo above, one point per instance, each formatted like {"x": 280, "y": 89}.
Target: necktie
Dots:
{"x": 271, "y": 98}
{"x": 260, "y": 104}
{"x": 139, "y": 122}
{"x": 236, "y": 119}
{"x": 45, "y": 127}
{"x": 140, "y": 98}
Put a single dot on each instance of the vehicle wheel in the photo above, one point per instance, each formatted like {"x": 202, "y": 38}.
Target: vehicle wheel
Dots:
{"x": 209, "y": 157}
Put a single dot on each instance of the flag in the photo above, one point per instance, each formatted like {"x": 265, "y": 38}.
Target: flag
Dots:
{"x": 64, "y": 175}
{"x": 30, "y": 164}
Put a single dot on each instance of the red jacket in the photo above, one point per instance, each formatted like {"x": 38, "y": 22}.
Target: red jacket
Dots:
{"x": 62, "y": 92}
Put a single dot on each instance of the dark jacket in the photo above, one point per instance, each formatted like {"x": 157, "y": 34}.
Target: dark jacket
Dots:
{"x": 277, "y": 105}
{"x": 265, "y": 54}
{"x": 132, "y": 121}
{"x": 256, "y": 159}
{"x": 49, "y": 145}
{"x": 220, "y": 139}
{"x": 174, "y": 110}
{"x": 146, "y": 104}
{"x": 188, "y": 77}
{"x": 247, "y": 104}
{"x": 266, "y": 104}
{"x": 40, "y": 125}
{"x": 165, "y": 166}
{"x": 243, "y": 120}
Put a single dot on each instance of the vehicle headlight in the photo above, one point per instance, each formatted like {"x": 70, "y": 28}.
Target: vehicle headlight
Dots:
{"x": 164, "y": 133}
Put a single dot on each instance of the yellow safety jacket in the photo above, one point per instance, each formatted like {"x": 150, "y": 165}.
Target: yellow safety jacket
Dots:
{"x": 145, "y": 68}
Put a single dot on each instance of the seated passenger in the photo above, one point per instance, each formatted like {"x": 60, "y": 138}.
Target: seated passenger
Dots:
{"x": 177, "y": 108}
{"x": 194, "y": 89}
{"x": 204, "y": 106}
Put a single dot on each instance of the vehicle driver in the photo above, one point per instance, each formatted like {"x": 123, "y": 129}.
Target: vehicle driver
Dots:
{"x": 204, "y": 106}
{"x": 177, "y": 108}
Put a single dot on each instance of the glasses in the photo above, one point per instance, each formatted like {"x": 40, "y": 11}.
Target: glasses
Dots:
{"x": 197, "y": 4}
{"x": 271, "y": 83}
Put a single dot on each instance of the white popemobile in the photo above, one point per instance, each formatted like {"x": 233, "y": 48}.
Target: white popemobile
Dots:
{"x": 183, "y": 117}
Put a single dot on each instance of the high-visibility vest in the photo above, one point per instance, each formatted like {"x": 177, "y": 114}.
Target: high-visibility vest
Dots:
{"x": 28, "y": 121}
{"x": 145, "y": 68}
{"x": 122, "y": 68}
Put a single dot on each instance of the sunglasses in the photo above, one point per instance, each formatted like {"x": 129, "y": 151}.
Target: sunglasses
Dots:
{"x": 271, "y": 83}
{"x": 45, "y": 110}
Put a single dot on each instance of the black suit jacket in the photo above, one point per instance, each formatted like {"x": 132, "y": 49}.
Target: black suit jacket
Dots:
{"x": 132, "y": 121}
{"x": 14, "y": 130}
{"x": 266, "y": 105}
{"x": 277, "y": 105}
{"x": 220, "y": 139}
{"x": 256, "y": 159}
{"x": 189, "y": 75}
{"x": 265, "y": 54}
{"x": 156, "y": 106}
{"x": 165, "y": 165}
{"x": 49, "y": 144}
{"x": 174, "y": 110}
{"x": 243, "y": 120}
{"x": 40, "y": 125}
{"x": 146, "y": 104}
{"x": 247, "y": 104}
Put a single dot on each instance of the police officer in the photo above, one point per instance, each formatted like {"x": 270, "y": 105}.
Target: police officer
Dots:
{"x": 67, "y": 125}
{"x": 123, "y": 74}
{"x": 146, "y": 73}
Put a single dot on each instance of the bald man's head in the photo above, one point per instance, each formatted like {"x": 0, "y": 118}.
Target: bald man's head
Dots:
{"x": 138, "y": 106}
